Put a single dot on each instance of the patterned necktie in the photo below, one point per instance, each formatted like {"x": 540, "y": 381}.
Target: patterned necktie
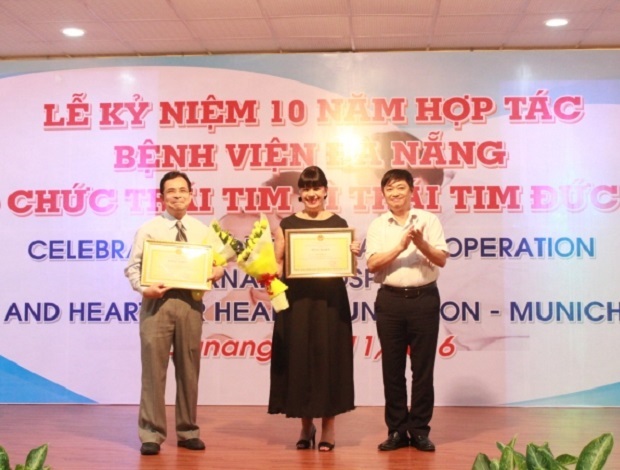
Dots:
{"x": 181, "y": 237}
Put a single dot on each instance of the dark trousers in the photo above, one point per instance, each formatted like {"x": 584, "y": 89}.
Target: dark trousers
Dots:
{"x": 408, "y": 322}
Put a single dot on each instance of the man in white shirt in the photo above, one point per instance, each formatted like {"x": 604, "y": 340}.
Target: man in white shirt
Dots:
{"x": 405, "y": 248}
{"x": 169, "y": 318}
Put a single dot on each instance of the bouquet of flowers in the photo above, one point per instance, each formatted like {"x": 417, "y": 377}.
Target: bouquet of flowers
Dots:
{"x": 258, "y": 259}
{"x": 224, "y": 247}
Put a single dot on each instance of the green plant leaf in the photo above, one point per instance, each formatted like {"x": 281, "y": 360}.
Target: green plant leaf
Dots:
{"x": 595, "y": 453}
{"x": 541, "y": 458}
{"x": 482, "y": 462}
{"x": 511, "y": 459}
{"x": 36, "y": 458}
{"x": 566, "y": 459}
{"x": 535, "y": 459}
{"x": 4, "y": 459}
{"x": 546, "y": 447}
{"x": 521, "y": 461}
{"x": 511, "y": 444}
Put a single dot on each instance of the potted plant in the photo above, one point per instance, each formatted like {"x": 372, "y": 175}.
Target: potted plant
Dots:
{"x": 34, "y": 461}
{"x": 539, "y": 457}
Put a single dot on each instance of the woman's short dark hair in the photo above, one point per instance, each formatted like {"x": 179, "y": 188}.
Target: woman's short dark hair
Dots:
{"x": 312, "y": 177}
{"x": 172, "y": 175}
{"x": 396, "y": 174}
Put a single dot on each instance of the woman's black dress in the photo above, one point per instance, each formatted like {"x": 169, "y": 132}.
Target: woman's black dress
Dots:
{"x": 312, "y": 351}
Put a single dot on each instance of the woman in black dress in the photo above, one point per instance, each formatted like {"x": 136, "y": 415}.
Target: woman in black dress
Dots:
{"x": 312, "y": 352}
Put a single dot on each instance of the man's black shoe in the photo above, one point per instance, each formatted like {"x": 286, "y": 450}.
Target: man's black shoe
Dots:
{"x": 394, "y": 441}
{"x": 192, "y": 444}
{"x": 422, "y": 443}
{"x": 149, "y": 448}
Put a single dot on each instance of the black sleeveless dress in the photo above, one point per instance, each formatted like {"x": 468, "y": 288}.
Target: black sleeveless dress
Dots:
{"x": 312, "y": 350}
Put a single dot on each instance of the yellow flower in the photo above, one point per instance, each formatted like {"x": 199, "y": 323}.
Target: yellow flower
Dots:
{"x": 259, "y": 261}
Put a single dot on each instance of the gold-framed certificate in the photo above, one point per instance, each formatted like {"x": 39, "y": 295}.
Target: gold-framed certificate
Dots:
{"x": 319, "y": 253}
{"x": 177, "y": 264}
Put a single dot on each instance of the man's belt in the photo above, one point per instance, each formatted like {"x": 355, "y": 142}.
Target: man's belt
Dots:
{"x": 409, "y": 292}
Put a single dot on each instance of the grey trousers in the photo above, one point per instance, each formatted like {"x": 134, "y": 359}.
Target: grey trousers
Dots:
{"x": 172, "y": 322}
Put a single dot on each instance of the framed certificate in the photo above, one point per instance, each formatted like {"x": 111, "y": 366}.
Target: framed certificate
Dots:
{"x": 319, "y": 253}
{"x": 177, "y": 264}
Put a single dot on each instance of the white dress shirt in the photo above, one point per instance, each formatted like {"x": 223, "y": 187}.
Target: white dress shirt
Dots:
{"x": 411, "y": 268}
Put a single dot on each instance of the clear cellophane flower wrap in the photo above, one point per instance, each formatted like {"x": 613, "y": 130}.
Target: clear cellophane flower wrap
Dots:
{"x": 258, "y": 259}
{"x": 222, "y": 244}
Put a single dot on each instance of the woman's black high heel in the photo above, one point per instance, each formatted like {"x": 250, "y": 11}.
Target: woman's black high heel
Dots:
{"x": 304, "y": 444}
{"x": 326, "y": 446}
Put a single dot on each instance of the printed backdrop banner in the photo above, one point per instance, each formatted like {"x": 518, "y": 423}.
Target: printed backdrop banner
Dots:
{"x": 516, "y": 152}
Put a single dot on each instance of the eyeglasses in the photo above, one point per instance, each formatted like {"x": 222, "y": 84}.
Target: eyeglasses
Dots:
{"x": 181, "y": 191}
